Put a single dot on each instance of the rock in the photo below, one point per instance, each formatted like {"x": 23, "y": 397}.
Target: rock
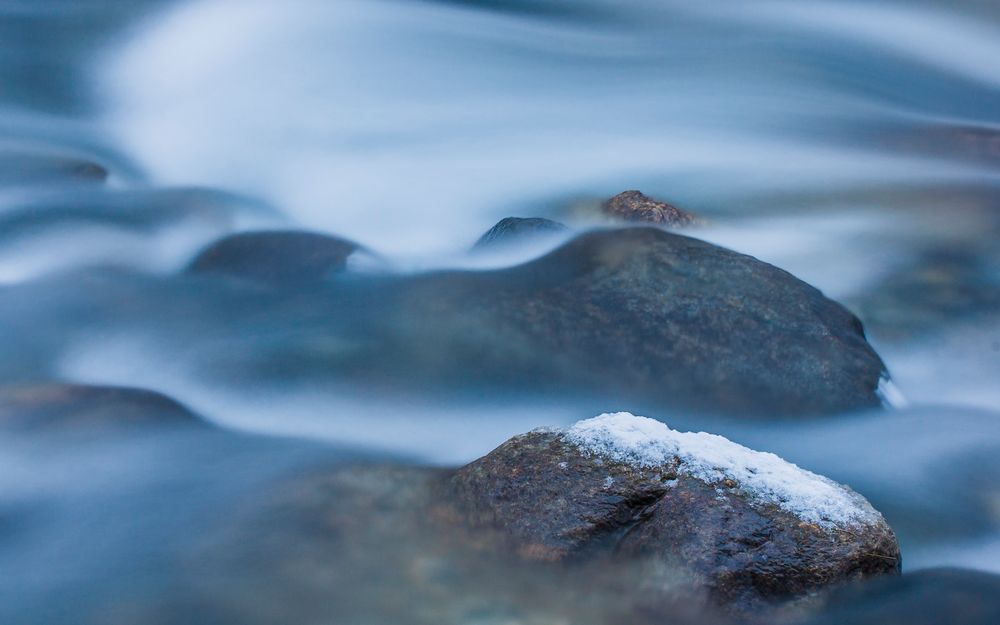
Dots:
{"x": 518, "y": 229}
{"x": 928, "y": 597}
{"x": 639, "y": 318}
{"x": 275, "y": 257}
{"x": 940, "y": 287}
{"x": 376, "y": 544}
{"x": 750, "y": 527}
{"x": 312, "y": 537}
{"x": 633, "y": 206}
{"x": 21, "y": 168}
{"x": 72, "y": 409}
{"x": 637, "y": 315}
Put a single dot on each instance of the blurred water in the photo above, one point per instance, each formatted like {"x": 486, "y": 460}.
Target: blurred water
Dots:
{"x": 410, "y": 126}
{"x": 853, "y": 143}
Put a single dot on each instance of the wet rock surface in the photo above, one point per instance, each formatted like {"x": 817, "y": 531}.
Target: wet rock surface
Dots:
{"x": 637, "y": 315}
{"x": 377, "y": 543}
{"x": 89, "y": 411}
{"x": 558, "y": 501}
{"x": 638, "y": 318}
{"x": 512, "y": 230}
{"x": 633, "y": 206}
{"x": 275, "y": 257}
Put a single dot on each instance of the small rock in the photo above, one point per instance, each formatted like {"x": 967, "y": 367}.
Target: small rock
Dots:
{"x": 42, "y": 167}
{"x": 276, "y": 258}
{"x": 58, "y": 408}
{"x": 633, "y": 206}
{"x": 752, "y": 527}
{"x": 513, "y": 229}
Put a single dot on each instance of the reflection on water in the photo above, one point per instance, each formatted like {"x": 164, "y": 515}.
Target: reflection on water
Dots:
{"x": 855, "y": 144}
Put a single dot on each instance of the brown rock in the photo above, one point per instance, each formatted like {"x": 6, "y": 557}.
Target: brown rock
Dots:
{"x": 633, "y": 206}
{"x": 558, "y": 501}
{"x": 74, "y": 409}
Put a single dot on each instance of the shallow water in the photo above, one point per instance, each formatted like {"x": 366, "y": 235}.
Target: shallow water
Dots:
{"x": 854, "y": 144}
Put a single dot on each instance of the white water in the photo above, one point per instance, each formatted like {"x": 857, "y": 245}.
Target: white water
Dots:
{"x": 413, "y": 126}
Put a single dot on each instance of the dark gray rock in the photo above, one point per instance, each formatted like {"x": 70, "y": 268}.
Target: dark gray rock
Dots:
{"x": 633, "y": 206}
{"x": 941, "y": 286}
{"x": 80, "y": 410}
{"x": 928, "y": 597}
{"x": 638, "y": 318}
{"x": 637, "y": 315}
{"x": 746, "y": 540}
{"x": 511, "y": 230}
{"x": 275, "y": 257}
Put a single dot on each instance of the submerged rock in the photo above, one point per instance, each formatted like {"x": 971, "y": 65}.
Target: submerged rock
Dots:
{"x": 635, "y": 207}
{"x": 593, "y": 525}
{"x": 746, "y": 525}
{"x": 21, "y": 168}
{"x": 637, "y": 315}
{"x": 940, "y": 287}
{"x": 73, "y": 409}
{"x": 928, "y": 597}
{"x": 513, "y": 229}
{"x": 377, "y": 544}
{"x": 276, "y": 257}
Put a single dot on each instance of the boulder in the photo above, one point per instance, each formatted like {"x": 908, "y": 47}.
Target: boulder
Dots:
{"x": 74, "y": 409}
{"x": 555, "y": 526}
{"x": 375, "y": 543}
{"x": 928, "y": 597}
{"x": 275, "y": 257}
{"x": 518, "y": 229}
{"x": 640, "y": 318}
{"x": 636, "y": 315}
{"x": 748, "y": 526}
{"x": 633, "y": 206}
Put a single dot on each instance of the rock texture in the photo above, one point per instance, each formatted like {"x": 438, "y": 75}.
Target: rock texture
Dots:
{"x": 72, "y": 409}
{"x": 377, "y": 544}
{"x": 514, "y": 229}
{"x": 747, "y": 539}
{"x": 637, "y": 315}
{"x": 275, "y": 258}
{"x": 635, "y": 207}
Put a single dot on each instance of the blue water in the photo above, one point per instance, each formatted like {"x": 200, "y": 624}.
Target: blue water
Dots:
{"x": 850, "y": 143}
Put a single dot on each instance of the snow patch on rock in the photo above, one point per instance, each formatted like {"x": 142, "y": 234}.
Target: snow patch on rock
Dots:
{"x": 763, "y": 477}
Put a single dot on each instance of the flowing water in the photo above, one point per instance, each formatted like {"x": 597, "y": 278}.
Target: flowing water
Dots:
{"x": 855, "y": 144}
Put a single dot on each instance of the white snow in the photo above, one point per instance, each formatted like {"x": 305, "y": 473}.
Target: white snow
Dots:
{"x": 763, "y": 477}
